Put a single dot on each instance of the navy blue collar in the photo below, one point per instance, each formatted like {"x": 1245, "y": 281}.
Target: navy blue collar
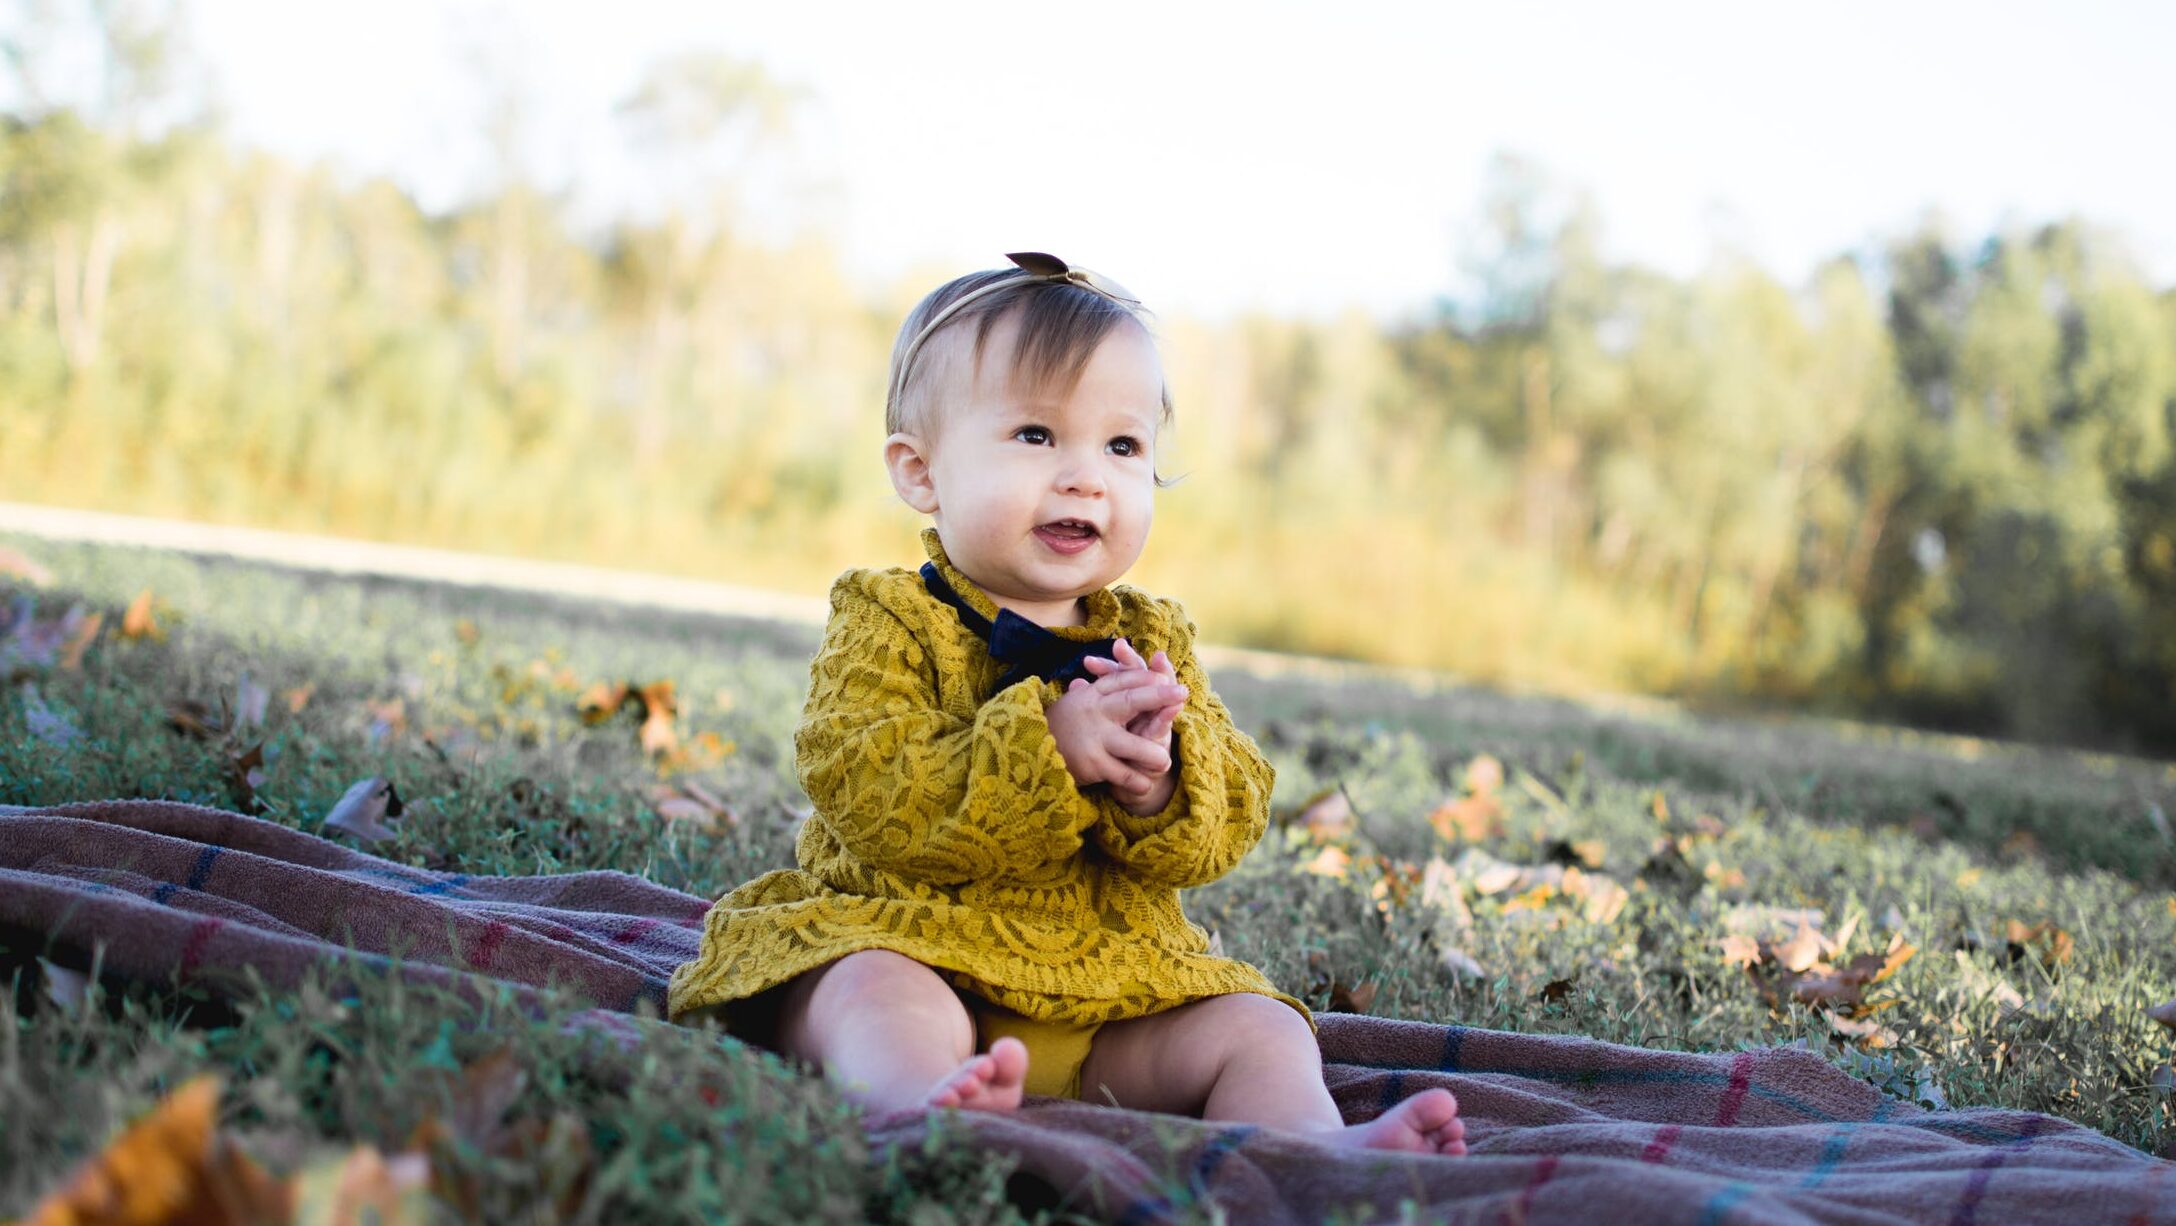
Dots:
{"x": 1031, "y": 650}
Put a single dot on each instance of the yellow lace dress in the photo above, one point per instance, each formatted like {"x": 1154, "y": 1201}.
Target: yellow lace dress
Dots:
{"x": 947, "y": 829}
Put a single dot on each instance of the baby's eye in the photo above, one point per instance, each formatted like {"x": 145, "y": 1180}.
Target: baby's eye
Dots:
{"x": 1126, "y": 445}
{"x": 1032, "y": 435}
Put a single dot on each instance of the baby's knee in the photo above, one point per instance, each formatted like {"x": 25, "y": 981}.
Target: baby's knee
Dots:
{"x": 880, "y": 981}
{"x": 1250, "y": 1020}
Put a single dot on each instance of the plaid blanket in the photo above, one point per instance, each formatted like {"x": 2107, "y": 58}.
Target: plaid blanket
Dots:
{"x": 1561, "y": 1128}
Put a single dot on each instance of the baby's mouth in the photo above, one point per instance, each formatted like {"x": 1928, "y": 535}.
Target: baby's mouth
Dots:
{"x": 1066, "y": 537}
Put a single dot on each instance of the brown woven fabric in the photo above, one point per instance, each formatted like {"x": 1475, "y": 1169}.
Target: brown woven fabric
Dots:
{"x": 1562, "y": 1129}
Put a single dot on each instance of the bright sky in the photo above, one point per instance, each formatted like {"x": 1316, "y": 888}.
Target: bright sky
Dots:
{"x": 1217, "y": 157}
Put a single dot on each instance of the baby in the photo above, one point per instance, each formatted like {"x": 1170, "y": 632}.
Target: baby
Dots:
{"x": 1016, "y": 766}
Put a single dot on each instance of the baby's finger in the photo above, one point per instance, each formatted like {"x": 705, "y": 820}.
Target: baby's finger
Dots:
{"x": 1136, "y": 700}
{"x": 1100, "y": 665}
{"x": 1132, "y": 678}
{"x": 1139, "y": 753}
{"x": 1162, "y": 664}
{"x": 1125, "y": 654}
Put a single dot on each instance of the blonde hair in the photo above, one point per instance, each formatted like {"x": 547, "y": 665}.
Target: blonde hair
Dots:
{"x": 1061, "y": 324}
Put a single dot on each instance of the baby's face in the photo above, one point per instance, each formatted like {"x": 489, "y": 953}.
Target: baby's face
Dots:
{"x": 1044, "y": 497}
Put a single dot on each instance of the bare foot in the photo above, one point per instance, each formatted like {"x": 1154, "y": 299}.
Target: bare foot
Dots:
{"x": 1426, "y": 1123}
{"x": 992, "y": 1081}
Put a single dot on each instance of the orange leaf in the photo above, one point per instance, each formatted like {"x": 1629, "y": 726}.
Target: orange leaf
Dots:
{"x": 1327, "y": 816}
{"x": 658, "y": 736}
{"x": 1353, "y": 998}
{"x": 171, "y": 1166}
{"x": 79, "y": 641}
{"x": 139, "y": 622}
{"x": 1469, "y": 819}
{"x": 601, "y": 701}
{"x": 1484, "y": 775}
{"x": 1740, "y": 949}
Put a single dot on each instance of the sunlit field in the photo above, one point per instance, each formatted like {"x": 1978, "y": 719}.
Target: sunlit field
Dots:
{"x": 1957, "y": 922}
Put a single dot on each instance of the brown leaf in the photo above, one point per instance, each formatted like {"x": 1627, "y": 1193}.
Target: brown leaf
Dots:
{"x": 140, "y": 622}
{"x": 601, "y": 701}
{"x": 1557, "y": 989}
{"x": 1354, "y": 998}
{"x": 2164, "y": 1013}
{"x": 192, "y": 718}
{"x": 362, "y": 812}
{"x": 298, "y": 698}
{"x": 1327, "y": 816}
{"x": 1802, "y": 950}
{"x": 245, "y": 774}
{"x": 169, "y": 1167}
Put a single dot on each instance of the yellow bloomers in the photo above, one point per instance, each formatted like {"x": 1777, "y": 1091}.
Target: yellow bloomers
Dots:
{"x": 947, "y": 828}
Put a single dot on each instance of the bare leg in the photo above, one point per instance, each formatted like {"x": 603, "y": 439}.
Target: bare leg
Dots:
{"x": 891, "y": 1034}
{"x": 1251, "y": 1059}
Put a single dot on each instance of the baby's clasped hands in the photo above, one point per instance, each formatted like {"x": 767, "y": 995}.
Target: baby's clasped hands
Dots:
{"x": 1117, "y": 728}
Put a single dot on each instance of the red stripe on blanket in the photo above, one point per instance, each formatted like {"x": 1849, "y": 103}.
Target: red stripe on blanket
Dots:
{"x": 200, "y": 936}
{"x": 1659, "y": 1148}
{"x": 487, "y": 946}
{"x": 1741, "y": 1080}
{"x": 1544, "y": 1170}
{"x": 635, "y": 931}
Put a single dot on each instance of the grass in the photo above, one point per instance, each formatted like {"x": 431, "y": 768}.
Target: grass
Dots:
{"x": 2033, "y": 885}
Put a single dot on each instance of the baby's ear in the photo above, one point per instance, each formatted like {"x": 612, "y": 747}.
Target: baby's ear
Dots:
{"x": 906, "y": 457}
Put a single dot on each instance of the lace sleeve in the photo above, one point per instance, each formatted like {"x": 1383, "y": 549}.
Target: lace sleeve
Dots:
{"x": 1221, "y": 805}
{"x": 908, "y": 787}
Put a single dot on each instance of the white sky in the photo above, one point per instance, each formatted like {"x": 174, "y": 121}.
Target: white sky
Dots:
{"x": 1296, "y": 157}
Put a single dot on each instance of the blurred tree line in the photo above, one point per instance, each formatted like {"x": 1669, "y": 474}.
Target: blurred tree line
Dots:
{"x": 1934, "y": 484}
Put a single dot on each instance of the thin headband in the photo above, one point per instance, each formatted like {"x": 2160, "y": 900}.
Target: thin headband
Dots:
{"x": 1039, "y": 266}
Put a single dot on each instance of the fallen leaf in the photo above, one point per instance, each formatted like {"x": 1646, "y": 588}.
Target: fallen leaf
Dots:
{"x": 298, "y": 698}
{"x": 250, "y": 701}
{"x": 1328, "y": 861}
{"x": 66, "y": 989}
{"x": 1440, "y": 891}
{"x": 691, "y": 801}
{"x": 1740, "y": 949}
{"x": 601, "y": 701}
{"x": 1767, "y": 923}
{"x": 16, "y": 565}
{"x": 1352, "y": 999}
{"x": 2163, "y": 1080}
{"x": 1866, "y": 1032}
{"x": 658, "y": 710}
{"x": 466, "y": 631}
{"x": 1802, "y": 950}
{"x": 1557, "y": 989}
{"x": 245, "y": 774}
{"x": 139, "y": 622}
{"x": 1459, "y": 962}
{"x": 171, "y": 1166}
{"x": 699, "y": 753}
{"x": 1468, "y": 819}
{"x": 1327, "y": 816}
{"x": 362, "y": 812}
{"x": 192, "y": 718}
{"x": 2165, "y": 1014}
{"x": 1487, "y": 874}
